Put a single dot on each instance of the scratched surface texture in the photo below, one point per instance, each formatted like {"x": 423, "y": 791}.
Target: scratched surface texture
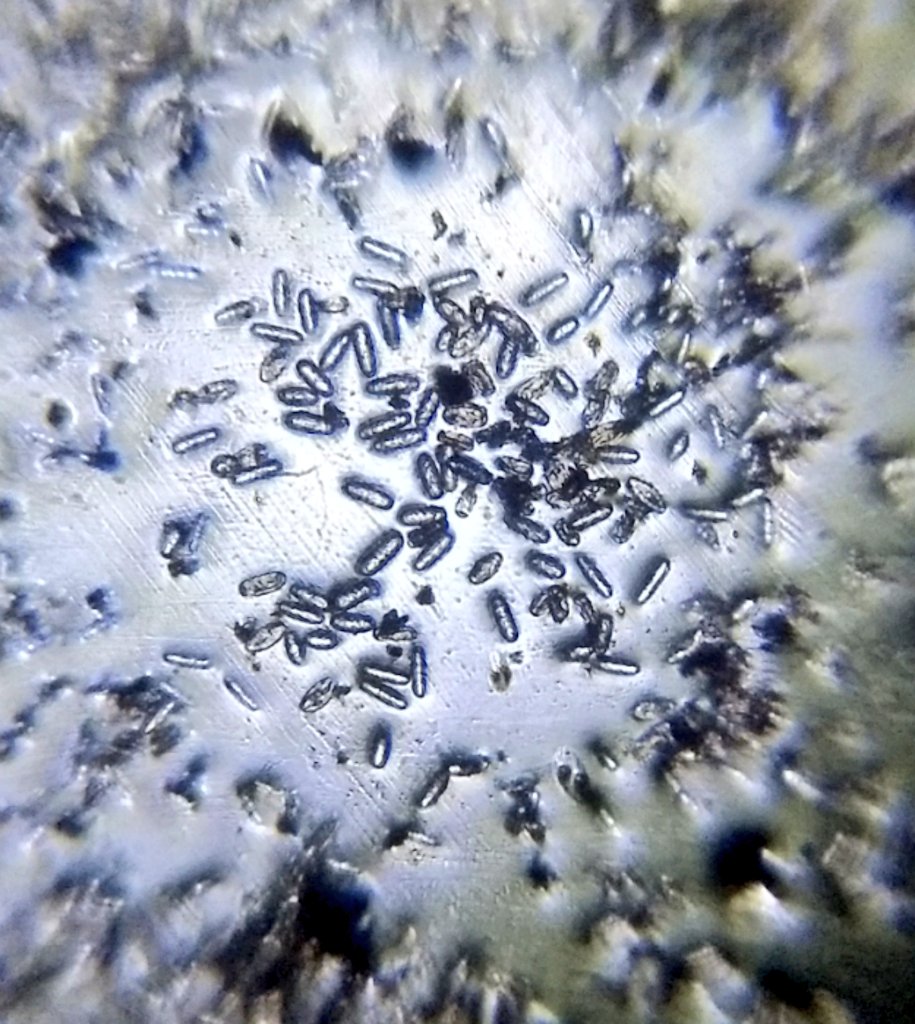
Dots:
{"x": 456, "y": 503}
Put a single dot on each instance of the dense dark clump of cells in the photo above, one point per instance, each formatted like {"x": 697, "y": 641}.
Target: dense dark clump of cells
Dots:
{"x": 312, "y": 901}
{"x": 730, "y": 706}
{"x": 123, "y": 720}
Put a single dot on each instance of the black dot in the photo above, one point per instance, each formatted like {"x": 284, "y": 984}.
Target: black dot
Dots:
{"x": 398, "y": 835}
{"x": 539, "y": 873}
{"x": 453, "y": 387}
{"x": 736, "y": 860}
{"x": 425, "y": 595}
{"x": 413, "y": 302}
{"x": 408, "y": 152}
{"x": 72, "y": 824}
{"x": 787, "y": 988}
{"x": 68, "y": 255}
{"x": 99, "y": 600}
{"x": 58, "y": 414}
{"x": 290, "y": 141}
{"x": 143, "y": 305}
{"x": 575, "y": 482}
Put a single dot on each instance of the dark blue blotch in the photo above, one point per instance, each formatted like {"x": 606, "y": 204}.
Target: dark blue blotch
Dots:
{"x": 68, "y": 255}
{"x": 899, "y": 194}
{"x": 290, "y": 141}
{"x": 409, "y": 153}
{"x": 735, "y": 859}
{"x": 100, "y": 601}
{"x": 105, "y": 459}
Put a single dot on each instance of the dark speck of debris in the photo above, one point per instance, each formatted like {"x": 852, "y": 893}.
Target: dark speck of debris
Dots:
{"x": 540, "y": 874}
{"x": 786, "y": 988}
{"x": 99, "y": 600}
{"x": 453, "y": 387}
{"x": 425, "y": 595}
{"x": 398, "y": 835}
{"x": 408, "y": 152}
{"x": 58, "y": 414}
{"x": 68, "y": 255}
{"x": 735, "y": 859}
{"x": 289, "y": 140}
{"x": 143, "y": 305}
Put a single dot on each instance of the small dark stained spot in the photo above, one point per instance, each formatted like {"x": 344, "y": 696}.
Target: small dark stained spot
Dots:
{"x": 425, "y": 596}
{"x": 289, "y": 140}
{"x": 412, "y": 302}
{"x": 735, "y": 859}
{"x": 787, "y": 988}
{"x": 398, "y": 834}
{"x": 540, "y": 873}
{"x": 899, "y": 194}
{"x": 72, "y": 824}
{"x": 58, "y": 414}
{"x": 660, "y": 88}
{"x": 142, "y": 302}
{"x": 409, "y": 152}
{"x": 99, "y": 600}
{"x": 68, "y": 255}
